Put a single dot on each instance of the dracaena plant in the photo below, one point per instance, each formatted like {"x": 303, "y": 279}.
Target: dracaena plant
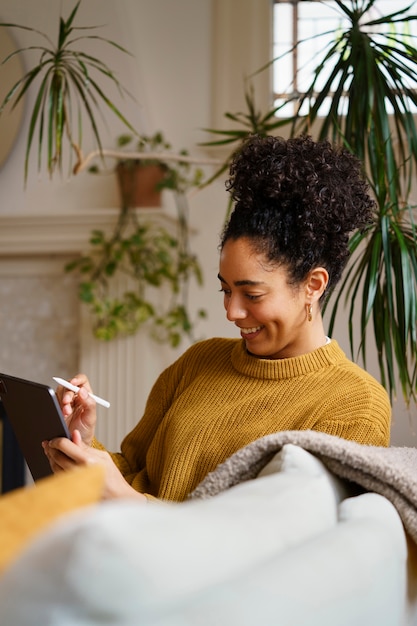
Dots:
{"x": 69, "y": 90}
{"x": 363, "y": 95}
{"x": 245, "y": 123}
{"x": 368, "y": 103}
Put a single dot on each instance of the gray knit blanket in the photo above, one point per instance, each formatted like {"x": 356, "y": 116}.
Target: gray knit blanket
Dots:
{"x": 391, "y": 472}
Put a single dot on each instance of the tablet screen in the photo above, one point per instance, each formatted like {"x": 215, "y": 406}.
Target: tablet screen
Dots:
{"x": 35, "y": 415}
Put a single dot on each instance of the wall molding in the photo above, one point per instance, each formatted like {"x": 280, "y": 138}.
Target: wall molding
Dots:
{"x": 61, "y": 233}
{"x": 28, "y": 234}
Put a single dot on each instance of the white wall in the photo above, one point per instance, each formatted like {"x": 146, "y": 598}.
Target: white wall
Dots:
{"x": 170, "y": 75}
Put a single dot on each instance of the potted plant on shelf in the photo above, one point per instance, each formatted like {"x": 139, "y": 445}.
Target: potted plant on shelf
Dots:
{"x": 140, "y": 180}
{"x": 370, "y": 71}
{"x": 149, "y": 255}
{"x": 69, "y": 92}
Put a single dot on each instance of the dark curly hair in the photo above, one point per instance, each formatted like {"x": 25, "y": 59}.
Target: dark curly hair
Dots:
{"x": 298, "y": 200}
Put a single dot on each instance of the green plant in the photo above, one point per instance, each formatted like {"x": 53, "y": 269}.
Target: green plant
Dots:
{"x": 371, "y": 66}
{"x": 140, "y": 179}
{"x": 151, "y": 256}
{"x": 245, "y": 123}
{"x": 368, "y": 104}
{"x": 179, "y": 176}
{"x": 143, "y": 143}
{"x": 68, "y": 92}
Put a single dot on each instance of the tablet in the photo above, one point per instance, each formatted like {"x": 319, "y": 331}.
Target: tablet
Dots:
{"x": 34, "y": 415}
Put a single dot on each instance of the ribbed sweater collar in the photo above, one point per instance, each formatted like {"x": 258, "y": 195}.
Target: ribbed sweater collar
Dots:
{"x": 274, "y": 369}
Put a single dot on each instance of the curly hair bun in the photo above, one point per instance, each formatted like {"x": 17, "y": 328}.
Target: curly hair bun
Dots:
{"x": 301, "y": 198}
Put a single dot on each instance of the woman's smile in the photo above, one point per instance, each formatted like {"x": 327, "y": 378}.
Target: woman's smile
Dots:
{"x": 250, "y": 333}
{"x": 268, "y": 310}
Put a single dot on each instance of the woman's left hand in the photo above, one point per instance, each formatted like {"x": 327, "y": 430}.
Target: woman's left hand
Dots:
{"x": 65, "y": 454}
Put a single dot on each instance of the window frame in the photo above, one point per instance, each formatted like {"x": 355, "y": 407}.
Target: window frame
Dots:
{"x": 295, "y": 38}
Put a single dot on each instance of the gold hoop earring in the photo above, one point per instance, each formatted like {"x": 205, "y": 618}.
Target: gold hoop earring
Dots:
{"x": 309, "y": 312}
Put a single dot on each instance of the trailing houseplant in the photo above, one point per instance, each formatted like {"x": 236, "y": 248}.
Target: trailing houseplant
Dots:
{"x": 69, "y": 91}
{"x": 370, "y": 77}
{"x": 150, "y": 256}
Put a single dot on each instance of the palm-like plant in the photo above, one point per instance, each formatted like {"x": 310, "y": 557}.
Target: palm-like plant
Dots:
{"x": 68, "y": 89}
{"x": 371, "y": 69}
{"x": 246, "y": 123}
{"x": 253, "y": 121}
{"x": 368, "y": 104}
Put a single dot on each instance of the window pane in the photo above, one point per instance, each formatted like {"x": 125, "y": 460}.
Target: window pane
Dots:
{"x": 283, "y": 25}
{"x": 318, "y": 22}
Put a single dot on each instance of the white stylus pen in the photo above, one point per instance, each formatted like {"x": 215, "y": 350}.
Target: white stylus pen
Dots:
{"x": 75, "y": 389}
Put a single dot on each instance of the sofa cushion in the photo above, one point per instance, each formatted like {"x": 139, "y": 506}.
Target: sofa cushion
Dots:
{"x": 354, "y": 574}
{"x": 294, "y": 459}
{"x": 125, "y": 562}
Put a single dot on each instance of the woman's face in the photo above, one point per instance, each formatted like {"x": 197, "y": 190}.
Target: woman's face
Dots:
{"x": 270, "y": 313}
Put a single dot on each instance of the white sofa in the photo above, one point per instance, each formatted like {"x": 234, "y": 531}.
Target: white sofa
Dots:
{"x": 296, "y": 546}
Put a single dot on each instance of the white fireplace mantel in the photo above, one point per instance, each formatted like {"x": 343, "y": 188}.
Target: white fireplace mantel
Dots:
{"x": 28, "y": 234}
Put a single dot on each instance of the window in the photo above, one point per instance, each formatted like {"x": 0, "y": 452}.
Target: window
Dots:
{"x": 314, "y": 23}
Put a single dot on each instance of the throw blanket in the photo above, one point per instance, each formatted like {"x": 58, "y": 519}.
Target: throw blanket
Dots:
{"x": 391, "y": 472}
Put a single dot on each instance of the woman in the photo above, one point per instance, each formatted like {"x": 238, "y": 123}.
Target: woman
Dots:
{"x": 283, "y": 249}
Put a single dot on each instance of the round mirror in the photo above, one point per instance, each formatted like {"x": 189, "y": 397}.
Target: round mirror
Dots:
{"x": 10, "y": 72}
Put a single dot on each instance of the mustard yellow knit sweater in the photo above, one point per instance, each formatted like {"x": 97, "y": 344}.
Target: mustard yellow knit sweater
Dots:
{"x": 216, "y": 399}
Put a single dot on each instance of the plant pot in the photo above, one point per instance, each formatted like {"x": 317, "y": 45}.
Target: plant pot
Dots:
{"x": 138, "y": 184}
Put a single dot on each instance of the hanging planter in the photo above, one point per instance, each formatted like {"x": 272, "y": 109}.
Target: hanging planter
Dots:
{"x": 140, "y": 185}
{"x": 141, "y": 249}
{"x": 141, "y": 180}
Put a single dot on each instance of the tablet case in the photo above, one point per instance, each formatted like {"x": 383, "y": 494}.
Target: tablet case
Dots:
{"x": 35, "y": 415}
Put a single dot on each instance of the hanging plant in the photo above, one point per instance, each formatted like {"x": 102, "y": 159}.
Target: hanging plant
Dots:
{"x": 151, "y": 257}
{"x": 68, "y": 92}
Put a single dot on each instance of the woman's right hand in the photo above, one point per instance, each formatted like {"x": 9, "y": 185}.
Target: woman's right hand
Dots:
{"x": 79, "y": 409}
